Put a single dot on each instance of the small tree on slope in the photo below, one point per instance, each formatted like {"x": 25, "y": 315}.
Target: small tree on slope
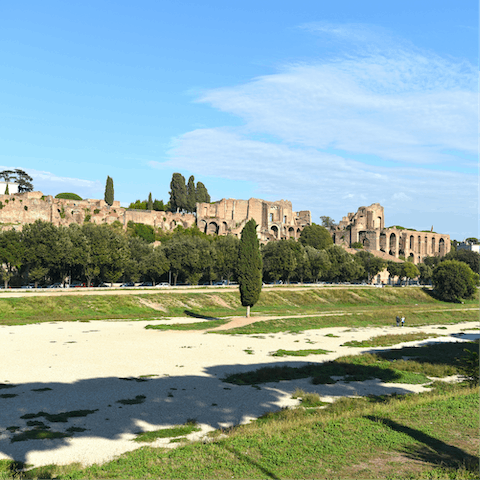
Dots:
{"x": 249, "y": 267}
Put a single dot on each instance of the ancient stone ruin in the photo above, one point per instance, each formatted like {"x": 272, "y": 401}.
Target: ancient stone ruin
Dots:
{"x": 367, "y": 226}
{"x": 22, "y": 208}
{"x": 275, "y": 220}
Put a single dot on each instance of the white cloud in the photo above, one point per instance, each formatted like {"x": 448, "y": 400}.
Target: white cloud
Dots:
{"x": 405, "y": 112}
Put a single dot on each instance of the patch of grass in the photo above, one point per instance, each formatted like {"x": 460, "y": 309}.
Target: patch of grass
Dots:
{"x": 248, "y": 351}
{"x": 178, "y": 431}
{"x": 46, "y": 389}
{"x": 8, "y": 395}
{"x": 37, "y": 434}
{"x": 133, "y": 401}
{"x": 189, "y": 326}
{"x": 298, "y": 353}
{"x": 308, "y": 400}
{"x": 389, "y": 340}
{"x": 75, "y": 429}
{"x": 435, "y": 360}
{"x": 59, "y": 417}
{"x": 331, "y": 335}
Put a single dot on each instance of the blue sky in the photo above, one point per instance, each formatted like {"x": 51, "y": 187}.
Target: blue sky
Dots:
{"x": 331, "y": 105}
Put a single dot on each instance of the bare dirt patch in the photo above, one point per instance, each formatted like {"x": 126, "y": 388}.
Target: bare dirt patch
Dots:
{"x": 219, "y": 301}
{"x": 153, "y": 305}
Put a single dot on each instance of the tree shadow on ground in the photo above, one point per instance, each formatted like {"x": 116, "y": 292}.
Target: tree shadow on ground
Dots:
{"x": 109, "y": 408}
{"x": 433, "y": 451}
{"x": 189, "y": 313}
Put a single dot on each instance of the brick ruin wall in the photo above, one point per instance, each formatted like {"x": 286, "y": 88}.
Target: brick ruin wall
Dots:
{"x": 275, "y": 220}
{"x": 367, "y": 226}
{"x": 22, "y": 208}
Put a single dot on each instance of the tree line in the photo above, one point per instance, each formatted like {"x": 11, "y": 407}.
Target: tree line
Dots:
{"x": 184, "y": 196}
{"x": 43, "y": 254}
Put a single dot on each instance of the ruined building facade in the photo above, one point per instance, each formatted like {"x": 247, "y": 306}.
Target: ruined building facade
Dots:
{"x": 22, "y": 208}
{"x": 367, "y": 226}
{"x": 275, "y": 220}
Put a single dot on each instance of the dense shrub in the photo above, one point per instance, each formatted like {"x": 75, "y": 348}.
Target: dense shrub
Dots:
{"x": 69, "y": 196}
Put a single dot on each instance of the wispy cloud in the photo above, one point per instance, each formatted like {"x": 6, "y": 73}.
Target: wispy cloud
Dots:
{"x": 52, "y": 184}
{"x": 405, "y": 112}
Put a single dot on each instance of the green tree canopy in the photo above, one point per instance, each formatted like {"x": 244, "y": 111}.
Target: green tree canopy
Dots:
{"x": 191, "y": 195}
{"x": 327, "y": 222}
{"x": 20, "y": 177}
{"x": 201, "y": 193}
{"x": 178, "y": 193}
{"x": 68, "y": 196}
{"x": 316, "y": 236}
{"x": 471, "y": 258}
{"x": 454, "y": 280}
{"x": 11, "y": 254}
{"x": 109, "y": 193}
{"x": 249, "y": 266}
{"x": 150, "y": 202}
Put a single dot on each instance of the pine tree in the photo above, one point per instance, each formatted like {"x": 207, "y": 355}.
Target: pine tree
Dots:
{"x": 109, "y": 191}
{"x": 191, "y": 195}
{"x": 150, "y": 202}
{"x": 249, "y": 267}
{"x": 7, "y": 191}
{"x": 178, "y": 193}
{"x": 202, "y": 193}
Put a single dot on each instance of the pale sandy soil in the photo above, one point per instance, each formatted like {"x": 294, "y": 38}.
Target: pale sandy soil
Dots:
{"x": 91, "y": 366}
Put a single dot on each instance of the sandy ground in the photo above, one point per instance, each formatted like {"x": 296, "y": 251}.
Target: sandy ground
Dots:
{"x": 63, "y": 367}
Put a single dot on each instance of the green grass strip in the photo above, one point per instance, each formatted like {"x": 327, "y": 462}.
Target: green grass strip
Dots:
{"x": 389, "y": 340}
{"x": 189, "y": 326}
{"x": 298, "y": 353}
{"x": 178, "y": 431}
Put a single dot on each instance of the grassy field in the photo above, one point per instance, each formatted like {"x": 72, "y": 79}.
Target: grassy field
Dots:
{"x": 433, "y": 435}
{"x": 383, "y": 304}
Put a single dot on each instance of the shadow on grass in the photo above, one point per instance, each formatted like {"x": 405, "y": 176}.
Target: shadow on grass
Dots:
{"x": 189, "y": 313}
{"x": 247, "y": 459}
{"x": 433, "y": 451}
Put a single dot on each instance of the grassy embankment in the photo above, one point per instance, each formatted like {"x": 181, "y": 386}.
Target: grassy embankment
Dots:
{"x": 337, "y": 306}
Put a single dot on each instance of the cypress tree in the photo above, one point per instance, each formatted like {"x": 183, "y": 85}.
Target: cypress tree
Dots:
{"x": 191, "y": 195}
{"x": 202, "y": 193}
{"x": 150, "y": 202}
{"x": 109, "y": 191}
{"x": 249, "y": 266}
{"x": 7, "y": 191}
{"x": 178, "y": 193}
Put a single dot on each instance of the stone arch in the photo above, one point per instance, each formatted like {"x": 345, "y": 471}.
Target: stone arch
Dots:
{"x": 173, "y": 224}
{"x": 212, "y": 228}
{"x": 270, "y": 217}
{"x": 441, "y": 246}
{"x": 412, "y": 257}
{"x": 202, "y": 226}
{"x": 383, "y": 242}
{"x": 392, "y": 244}
{"x": 291, "y": 232}
{"x": 426, "y": 245}
{"x": 433, "y": 245}
{"x": 378, "y": 222}
{"x": 298, "y": 232}
{"x": 419, "y": 247}
{"x": 412, "y": 242}
{"x": 274, "y": 231}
